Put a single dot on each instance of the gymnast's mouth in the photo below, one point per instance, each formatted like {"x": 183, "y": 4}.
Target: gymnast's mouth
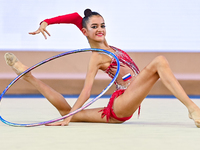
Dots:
{"x": 100, "y": 34}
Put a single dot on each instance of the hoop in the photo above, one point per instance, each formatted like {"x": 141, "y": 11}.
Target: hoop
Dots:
{"x": 50, "y": 59}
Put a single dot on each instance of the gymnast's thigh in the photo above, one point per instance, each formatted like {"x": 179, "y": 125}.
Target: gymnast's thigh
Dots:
{"x": 127, "y": 103}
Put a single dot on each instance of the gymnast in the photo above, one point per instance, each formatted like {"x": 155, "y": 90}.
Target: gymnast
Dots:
{"x": 132, "y": 86}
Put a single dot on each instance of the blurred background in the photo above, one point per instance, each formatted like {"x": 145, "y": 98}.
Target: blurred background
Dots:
{"x": 144, "y": 29}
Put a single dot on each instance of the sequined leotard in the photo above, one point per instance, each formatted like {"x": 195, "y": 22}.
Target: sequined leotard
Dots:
{"x": 124, "y": 59}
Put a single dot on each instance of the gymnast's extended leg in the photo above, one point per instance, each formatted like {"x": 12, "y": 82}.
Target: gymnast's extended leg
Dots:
{"x": 126, "y": 104}
{"x": 55, "y": 98}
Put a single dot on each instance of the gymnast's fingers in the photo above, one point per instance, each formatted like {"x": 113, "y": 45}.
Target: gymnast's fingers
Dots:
{"x": 47, "y": 32}
{"x": 39, "y": 31}
{"x": 36, "y": 32}
{"x": 44, "y": 34}
{"x": 61, "y": 123}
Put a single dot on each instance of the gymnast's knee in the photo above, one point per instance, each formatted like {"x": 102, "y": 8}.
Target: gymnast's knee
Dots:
{"x": 161, "y": 61}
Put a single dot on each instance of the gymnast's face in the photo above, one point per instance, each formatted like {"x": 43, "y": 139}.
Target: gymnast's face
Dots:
{"x": 95, "y": 30}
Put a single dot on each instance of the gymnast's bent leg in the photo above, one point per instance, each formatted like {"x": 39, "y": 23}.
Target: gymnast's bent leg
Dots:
{"x": 126, "y": 104}
{"x": 55, "y": 98}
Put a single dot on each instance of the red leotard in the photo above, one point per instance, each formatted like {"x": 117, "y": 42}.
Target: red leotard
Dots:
{"x": 125, "y": 59}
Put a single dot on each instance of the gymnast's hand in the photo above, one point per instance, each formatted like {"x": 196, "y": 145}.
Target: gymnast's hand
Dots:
{"x": 65, "y": 122}
{"x": 41, "y": 29}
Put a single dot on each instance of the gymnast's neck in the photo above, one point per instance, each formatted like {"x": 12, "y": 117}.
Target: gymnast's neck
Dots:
{"x": 100, "y": 45}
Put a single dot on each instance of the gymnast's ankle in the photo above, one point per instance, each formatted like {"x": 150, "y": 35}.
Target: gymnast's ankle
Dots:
{"x": 14, "y": 63}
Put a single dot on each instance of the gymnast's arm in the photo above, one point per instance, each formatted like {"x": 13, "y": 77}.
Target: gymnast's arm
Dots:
{"x": 73, "y": 18}
{"x": 93, "y": 68}
{"x": 94, "y": 65}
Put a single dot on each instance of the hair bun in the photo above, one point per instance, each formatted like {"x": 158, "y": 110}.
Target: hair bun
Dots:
{"x": 87, "y": 12}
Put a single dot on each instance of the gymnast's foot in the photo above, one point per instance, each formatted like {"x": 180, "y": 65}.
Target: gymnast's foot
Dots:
{"x": 15, "y": 64}
{"x": 195, "y": 115}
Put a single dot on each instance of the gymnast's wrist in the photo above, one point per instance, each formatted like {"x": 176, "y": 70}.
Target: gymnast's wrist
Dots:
{"x": 44, "y": 23}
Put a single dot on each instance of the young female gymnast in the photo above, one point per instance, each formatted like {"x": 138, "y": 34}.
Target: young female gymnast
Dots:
{"x": 132, "y": 86}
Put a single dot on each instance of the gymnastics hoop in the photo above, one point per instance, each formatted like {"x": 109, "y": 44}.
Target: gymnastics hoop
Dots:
{"x": 50, "y": 59}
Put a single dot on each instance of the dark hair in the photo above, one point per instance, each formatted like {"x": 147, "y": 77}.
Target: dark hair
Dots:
{"x": 88, "y": 13}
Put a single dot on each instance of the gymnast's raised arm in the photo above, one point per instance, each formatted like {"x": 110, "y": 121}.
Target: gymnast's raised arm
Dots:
{"x": 73, "y": 18}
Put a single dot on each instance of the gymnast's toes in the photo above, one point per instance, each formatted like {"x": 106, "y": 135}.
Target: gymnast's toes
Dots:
{"x": 197, "y": 123}
{"x": 10, "y": 58}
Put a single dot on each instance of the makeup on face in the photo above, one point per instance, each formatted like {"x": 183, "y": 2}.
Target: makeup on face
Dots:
{"x": 96, "y": 28}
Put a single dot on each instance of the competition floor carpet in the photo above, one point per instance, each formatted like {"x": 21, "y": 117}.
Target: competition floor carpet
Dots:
{"x": 162, "y": 125}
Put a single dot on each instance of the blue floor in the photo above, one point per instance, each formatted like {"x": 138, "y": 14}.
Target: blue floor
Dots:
{"x": 92, "y": 96}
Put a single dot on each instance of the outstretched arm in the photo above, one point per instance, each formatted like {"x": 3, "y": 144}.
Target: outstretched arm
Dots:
{"x": 94, "y": 65}
{"x": 73, "y": 18}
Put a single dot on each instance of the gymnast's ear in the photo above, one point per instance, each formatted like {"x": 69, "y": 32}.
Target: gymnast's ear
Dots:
{"x": 84, "y": 31}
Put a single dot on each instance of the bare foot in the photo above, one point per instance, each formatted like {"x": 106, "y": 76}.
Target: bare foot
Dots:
{"x": 195, "y": 115}
{"x": 16, "y": 65}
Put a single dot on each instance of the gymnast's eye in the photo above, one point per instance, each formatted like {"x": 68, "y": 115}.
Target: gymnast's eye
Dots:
{"x": 103, "y": 26}
{"x": 94, "y": 26}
